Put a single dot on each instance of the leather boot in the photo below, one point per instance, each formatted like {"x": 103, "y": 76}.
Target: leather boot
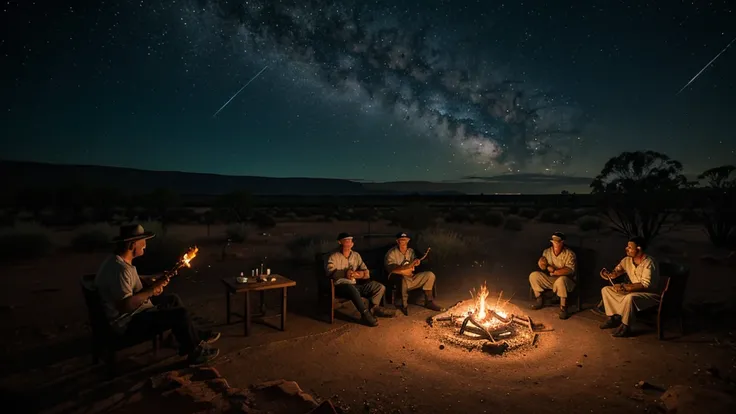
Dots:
{"x": 429, "y": 302}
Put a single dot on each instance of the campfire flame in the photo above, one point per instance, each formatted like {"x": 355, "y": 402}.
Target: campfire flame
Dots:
{"x": 480, "y": 309}
{"x": 480, "y": 302}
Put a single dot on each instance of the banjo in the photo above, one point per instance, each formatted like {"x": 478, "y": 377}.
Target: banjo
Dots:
{"x": 406, "y": 262}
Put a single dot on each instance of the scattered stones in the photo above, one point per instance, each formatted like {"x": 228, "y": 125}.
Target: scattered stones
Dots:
{"x": 206, "y": 390}
{"x": 683, "y": 400}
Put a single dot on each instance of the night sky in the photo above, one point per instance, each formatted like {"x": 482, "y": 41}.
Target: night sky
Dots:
{"x": 380, "y": 91}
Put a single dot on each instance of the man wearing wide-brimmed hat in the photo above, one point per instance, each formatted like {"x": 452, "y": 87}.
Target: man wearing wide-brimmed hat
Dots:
{"x": 352, "y": 281}
{"x": 139, "y": 309}
{"x": 556, "y": 271}
{"x": 400, "y": 262}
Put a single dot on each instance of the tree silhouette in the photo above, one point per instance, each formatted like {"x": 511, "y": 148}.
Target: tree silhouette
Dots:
{"x": 238, "y": 204}
{"x": 638, "y": 191}
{"x": 159, "y": 203}
{"x": 719, "y": 212}
{"x": 719, "y": 177}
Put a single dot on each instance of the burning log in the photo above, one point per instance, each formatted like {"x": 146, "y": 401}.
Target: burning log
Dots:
{"x": 495, "y": 348}
{"x": 494, "y": 314}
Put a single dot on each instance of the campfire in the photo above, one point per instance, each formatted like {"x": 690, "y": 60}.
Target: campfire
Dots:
{"x": 474, "y": 324}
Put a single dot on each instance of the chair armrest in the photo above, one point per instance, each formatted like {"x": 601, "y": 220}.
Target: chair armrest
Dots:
{"x": 332, "y": 289}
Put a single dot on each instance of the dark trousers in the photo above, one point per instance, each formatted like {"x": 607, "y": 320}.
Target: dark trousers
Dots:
{"x": 372, "y": 290}
{"x": 169, "y": 313}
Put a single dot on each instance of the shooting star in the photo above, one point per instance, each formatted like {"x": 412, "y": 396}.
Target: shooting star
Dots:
{"x": 706, "y": 66}
{"x": 238, "y": 92}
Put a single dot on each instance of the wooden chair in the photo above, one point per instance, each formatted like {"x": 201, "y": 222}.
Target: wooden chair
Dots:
{"x": 106, "y": 342}
{"x": 327, "y": 301}
{"x": 585, "y": 262}
{"x": 672, "y": 297}
{"x": 392, "y": 286}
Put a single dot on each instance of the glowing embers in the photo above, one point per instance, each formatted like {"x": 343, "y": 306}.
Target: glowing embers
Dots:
{"x": 474, "y": 324}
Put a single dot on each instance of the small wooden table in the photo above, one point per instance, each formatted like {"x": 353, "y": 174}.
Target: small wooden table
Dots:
{"x": 233, "y": 287}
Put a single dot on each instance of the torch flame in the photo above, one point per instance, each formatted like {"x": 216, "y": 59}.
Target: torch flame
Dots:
{"x": 189, "y": 255}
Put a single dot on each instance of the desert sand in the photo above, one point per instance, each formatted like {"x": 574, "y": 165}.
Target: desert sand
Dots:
{"x": 396, "y": 367}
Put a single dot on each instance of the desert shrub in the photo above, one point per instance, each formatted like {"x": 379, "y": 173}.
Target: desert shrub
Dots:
{"x": 162, "y": 253}
{"x": 459, "y": 215}
{"x": 527, "y": 212}
{"x": 588, "y": 223}
{"x": 181, "y": 215}
{"x": 586, "y": 211}
{"x": 90, "y": 241}
{"x": 513, "y": 210}
{"x": 303, "y": 249}
{"x": 557, "y": 215}
{"x": 415, "y": 218}
{"x": 263, "y": 221}
{"x": 291, "y": 216}
{"x": 514, "y": 223}
{"x": 24, "y": 246}
{"x": 447, "y": 245}
{"x": 236, "y": 233}
{"x": 493, "y": 218}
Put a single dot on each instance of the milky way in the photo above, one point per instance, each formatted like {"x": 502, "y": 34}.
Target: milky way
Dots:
{"x": 400, "y": 64}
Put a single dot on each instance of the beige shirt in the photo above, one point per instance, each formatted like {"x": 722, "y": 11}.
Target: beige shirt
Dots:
{"x": 394, "y": 258}
{"x": 117, "y": 280}
{"x": 647, "y": 273}
{"x": 566, "y": 258}
{"x": 338, "y": 265}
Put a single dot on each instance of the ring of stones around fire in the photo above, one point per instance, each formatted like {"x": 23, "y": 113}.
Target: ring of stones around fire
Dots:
{"x": 509, "y": 329}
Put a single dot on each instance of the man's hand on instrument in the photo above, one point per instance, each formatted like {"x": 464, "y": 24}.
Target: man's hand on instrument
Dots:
{"x": 157, "y": 290}
{"x": 415, "y": 263}
{"x": 621, "y": 288}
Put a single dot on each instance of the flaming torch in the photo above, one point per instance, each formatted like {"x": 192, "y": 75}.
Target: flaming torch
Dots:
{"x": 184, "y": 261}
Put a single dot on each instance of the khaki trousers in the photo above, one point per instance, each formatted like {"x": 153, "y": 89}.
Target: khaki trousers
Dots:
{"x": 560, "y": 285}
{"x": 424, "y": 280}
{"x": 626, "y": 304}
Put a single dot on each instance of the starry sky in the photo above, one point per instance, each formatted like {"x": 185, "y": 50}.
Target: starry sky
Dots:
{"x": 431, "y": 90}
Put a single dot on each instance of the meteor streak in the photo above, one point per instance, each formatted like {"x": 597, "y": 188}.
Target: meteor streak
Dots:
{"x": 705, "y": 67}
{"x": 240, "y": 90}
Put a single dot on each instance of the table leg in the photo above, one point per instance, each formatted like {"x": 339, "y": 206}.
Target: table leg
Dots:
{"x": 227, "y": 306}
{"x": 263, "y": 302}
{"x": 283, "y": 310}
{"x": 246, "y": 314}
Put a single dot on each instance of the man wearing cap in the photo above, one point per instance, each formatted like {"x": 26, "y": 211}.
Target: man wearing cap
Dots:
{"x": 400, "y": 262}
{"x": 352, "y": 281}
{"x": 556, "y": 272}
{"x": 621, "y": 301}
{"x": 136, "y": 307}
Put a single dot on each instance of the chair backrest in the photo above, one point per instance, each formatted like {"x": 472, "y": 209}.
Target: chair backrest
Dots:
{"x": 318, "y": 270}
{"x": 673, "y": 293}
{"x": 96, "y": 312}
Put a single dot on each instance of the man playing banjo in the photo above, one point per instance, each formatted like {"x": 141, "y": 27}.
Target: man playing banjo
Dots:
{"x": 400, "y": 262}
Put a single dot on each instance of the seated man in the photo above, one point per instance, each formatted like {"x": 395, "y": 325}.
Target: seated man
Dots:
{"x": 139, "y": 311}
{"x": 400, "y": 262}
{"x": 352, "y": 281}
{"x": 557, "y": 271}
{"x": 621, "y": 301}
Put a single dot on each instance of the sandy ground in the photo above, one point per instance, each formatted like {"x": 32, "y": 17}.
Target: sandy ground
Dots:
{"x": 396, "y": 366}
